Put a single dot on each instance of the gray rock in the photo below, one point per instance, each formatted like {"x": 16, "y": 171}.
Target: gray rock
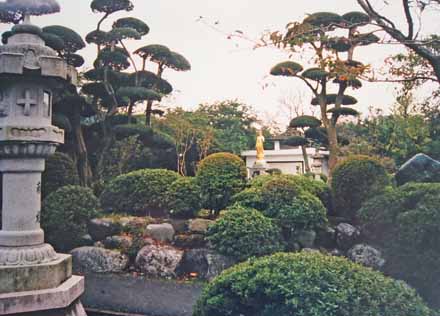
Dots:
{"x": 161, "y": 232}
{"x": 199, "y": 225}
{"x": 180, "y": 225}
{"x": 217, "y": 264}
{"x": 420, "y": 168}
{"x": 306, "y": 238}
{"x": 194, "y": 261}
{"x": 367, "y": 256}
{"x": 347, "y": 236}
{"x": 87, "y": 240}
{"x": 118, "y": 242}
{"x": 190, "y": 241}
{"x": 101, "y": 228}
{"x": 98, "y": 260}
{"x": 326, "y": 238}
{"x": 159, "y": 261}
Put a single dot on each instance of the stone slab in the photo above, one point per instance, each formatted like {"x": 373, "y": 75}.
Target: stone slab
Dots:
{"x": 61, "y": 297}
{"x": 35, "y": 277}
{"x": 139, "y": 295}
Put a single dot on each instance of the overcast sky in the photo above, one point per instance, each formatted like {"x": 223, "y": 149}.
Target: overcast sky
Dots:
{"x": 230, "y": 69}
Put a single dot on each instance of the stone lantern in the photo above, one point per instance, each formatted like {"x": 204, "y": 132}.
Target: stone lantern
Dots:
{"x": 34, "y": 279}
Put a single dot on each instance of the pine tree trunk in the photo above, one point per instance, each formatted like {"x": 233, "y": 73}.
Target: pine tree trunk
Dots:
{"x": 148, "y": 113}
{"x": 306, "y": 159}
{"x": 83, "y": 164}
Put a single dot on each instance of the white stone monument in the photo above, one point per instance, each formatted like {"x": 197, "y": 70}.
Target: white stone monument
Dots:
{"x": 34, "y": 279}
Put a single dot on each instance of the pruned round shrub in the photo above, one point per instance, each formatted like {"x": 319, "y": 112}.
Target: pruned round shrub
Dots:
{"x": 405, "y": 222}
{"x": 307, "y": 284}
{"x": 183, "y": 198}
{"x": 138, "y": 192}
{"x": 354, "y": 181}
{"x": 65, "y": 214}
{"x": 60, "y": 171}
{"x": 249, "y": 198}
{"x": 220, "y": 176}
{"x": 304, "y": 212}
{"x": 242, "y": 233}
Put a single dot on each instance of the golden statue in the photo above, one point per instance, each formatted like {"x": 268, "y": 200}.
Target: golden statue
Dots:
{"x": 260, "y": 146}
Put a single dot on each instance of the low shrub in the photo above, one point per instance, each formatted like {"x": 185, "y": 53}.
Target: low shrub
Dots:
{"x": 305, "y": 212}
{"x": 249, "y": 198}
{"x": 242, "y": 233}
{"x": 354, "y": 181}
{"x": 183, "y": 198}
{"x": 307, "y": 284}
{"x": 220, "y": 176}
{"x": 65, "y": 214}
{"x": 60, "y": 171}
{"x": 405, "y": 222}
{"x": 139, "y": 192}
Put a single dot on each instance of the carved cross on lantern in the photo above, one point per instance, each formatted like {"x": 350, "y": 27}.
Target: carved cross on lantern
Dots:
{"x": 27, "y": 103}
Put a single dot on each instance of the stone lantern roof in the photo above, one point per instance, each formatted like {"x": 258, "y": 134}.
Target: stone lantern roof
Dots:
{"x": 26, "y": 51}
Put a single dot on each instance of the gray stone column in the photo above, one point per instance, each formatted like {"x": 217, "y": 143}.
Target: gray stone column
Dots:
{"x": 21, "y": 202}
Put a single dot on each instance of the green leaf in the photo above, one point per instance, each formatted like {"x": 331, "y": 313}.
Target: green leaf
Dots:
{"x": 138, "y": 25}
{"x": 316, "y": 74}
{"x": 305, "y": 121}
{"x": 287, "y": 68}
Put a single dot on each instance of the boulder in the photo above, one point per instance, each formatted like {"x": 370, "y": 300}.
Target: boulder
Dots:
{"x": 367, "y": 256}
{"x": 347, "y": 236}
{"x": 420, "y": 168}
{"x": 190, "y": 241}
{"x": 159, "y": 261}
{"x": 194, "y": 261}
{"x": 101, "y": 228}
{"x": 161, "y": 232}
{"x": 199, "y": 225}
{"x": 180, "y": 225}
{"x": 87, "y": 240}
{"x": 98, "y": 260}
{"x": 217, "y": 264}
{"x": 306, "y": 238}
{"x": 326, "y": 238}
{"x": 118, "y": 242}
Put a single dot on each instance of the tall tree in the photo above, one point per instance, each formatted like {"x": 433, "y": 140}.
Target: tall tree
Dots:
{"x": 409, "y": 35}
{"x": 333, "y": 61}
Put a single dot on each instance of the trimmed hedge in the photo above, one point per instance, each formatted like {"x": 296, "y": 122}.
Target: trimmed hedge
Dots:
{"x": 242, "y": 233}
{"x": 405, "y": 222}
{"x": 65, "y": 214}
{"x": 183, "y": 198}
{"x": 307, "y": 284}
{"x": 138, "y": 192}
{"x": 60, "y": 171}
{"x": 220, "y": 176}
{"x": 354, "y": 181}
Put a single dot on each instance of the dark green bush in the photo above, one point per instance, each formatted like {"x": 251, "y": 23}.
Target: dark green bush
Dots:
{"x": 354, "y": 181}
{"x": 183, "y": 198}
{"x": 138, "y": 192}
{"x": 405, "y": 222}
{"x": 220, "y": 176}
{"x": 242, "y": 233}
{"x": 60, "y": 171}
{"x": 65, "y": 214}
{"x": 249, "y": 198}
{"x": 305, "y": 212}
{"x": 307, "y": 284}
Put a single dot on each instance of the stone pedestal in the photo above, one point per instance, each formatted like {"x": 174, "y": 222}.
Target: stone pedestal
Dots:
{"x": 258, "y": 169}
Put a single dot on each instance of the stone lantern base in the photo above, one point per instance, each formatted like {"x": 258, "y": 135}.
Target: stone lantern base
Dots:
{"x": 258, "y": 169}
{"x": 47, "y": 289}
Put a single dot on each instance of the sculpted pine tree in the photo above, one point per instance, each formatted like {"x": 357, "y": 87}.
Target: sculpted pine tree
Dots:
{"x": 164, "y": 58}
{"x": 334, "y": 67}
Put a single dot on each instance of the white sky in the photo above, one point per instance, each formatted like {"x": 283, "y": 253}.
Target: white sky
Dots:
{"x": 230, "y": 69}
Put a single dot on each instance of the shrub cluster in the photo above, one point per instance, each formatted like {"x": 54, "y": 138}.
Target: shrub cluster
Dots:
{"x": 354, "y": 181}
{"x": 65, "y": 214}
{"x": 183, "y": 198}
{"x": 242, "y": 233}
{"x": 307, "y": 284}
{"x": 405, "y": 222}
{"x": 138, "y": 192}
{"x": 220, "y": 176}
{"x": 60, "y": 171}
